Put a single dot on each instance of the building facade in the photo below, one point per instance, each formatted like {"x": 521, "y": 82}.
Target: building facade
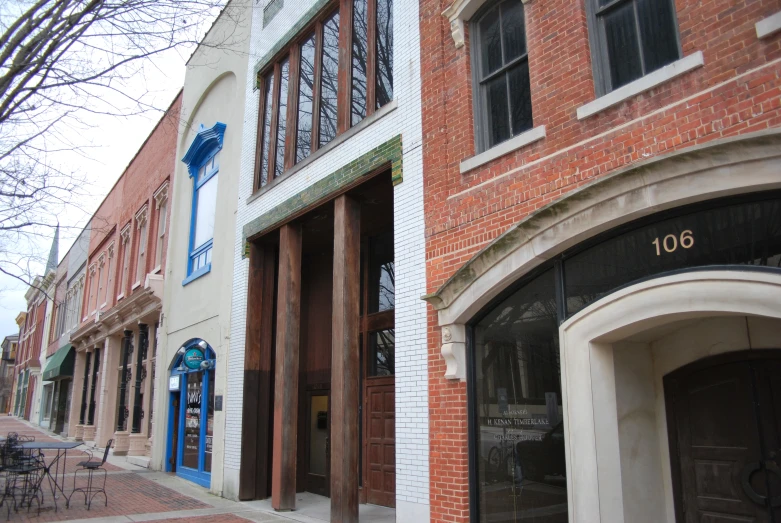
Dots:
{"x": 602, "y": 254}
{"x": 9, "y": 346}
{"x": 119, "y": 314}
{"x": 193, "y": 338}
{"x": 327, "y": 353}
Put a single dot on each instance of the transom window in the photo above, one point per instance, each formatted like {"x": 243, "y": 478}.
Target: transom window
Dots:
{"x": 302, "y": 107}
{"x": 631, "y": 38}
{"x": 503, "y": 107}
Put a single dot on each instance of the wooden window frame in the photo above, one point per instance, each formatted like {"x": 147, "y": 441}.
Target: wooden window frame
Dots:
{"x": 480, "y": 80}
{"x": 597, "y": 42}
{"x": 292, "y": 52}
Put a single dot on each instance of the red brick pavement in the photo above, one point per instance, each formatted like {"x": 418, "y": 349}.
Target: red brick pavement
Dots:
{"x": 128, "y": 493}
{"x": 219, "y": 518}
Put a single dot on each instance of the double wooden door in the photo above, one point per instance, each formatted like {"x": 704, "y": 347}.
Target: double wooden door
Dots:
{"x": 724, "y": 422}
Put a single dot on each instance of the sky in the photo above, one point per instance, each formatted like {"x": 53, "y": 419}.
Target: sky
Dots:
{"x": 111, "y": 142}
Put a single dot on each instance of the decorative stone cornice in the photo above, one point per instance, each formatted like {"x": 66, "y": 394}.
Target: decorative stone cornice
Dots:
{"x": 111, "y": 250}
{"x": 205, "y": 142}
{"x": 125, "y": 233}
{"x": 92, "y": 269}
{"x": 141, "y": 216}
{"x": 102, "y": 260}
{"x": 161, "y": 195}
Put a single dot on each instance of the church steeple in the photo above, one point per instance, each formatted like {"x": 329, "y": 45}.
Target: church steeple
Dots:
{"x": 51, "y": 263}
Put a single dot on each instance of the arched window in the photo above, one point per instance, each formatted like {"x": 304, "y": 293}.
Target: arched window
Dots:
{"x": 191, "y": 412}
{"x": 203, "y": 163}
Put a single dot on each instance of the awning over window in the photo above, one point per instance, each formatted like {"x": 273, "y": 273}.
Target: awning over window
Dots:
{"x": 61, "y": 364}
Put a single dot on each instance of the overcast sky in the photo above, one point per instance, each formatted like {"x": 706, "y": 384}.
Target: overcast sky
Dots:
{"x": 111, "y": 142}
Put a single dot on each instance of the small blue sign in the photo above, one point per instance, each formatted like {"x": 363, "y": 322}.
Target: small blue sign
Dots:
{"x": 193, "y": 358}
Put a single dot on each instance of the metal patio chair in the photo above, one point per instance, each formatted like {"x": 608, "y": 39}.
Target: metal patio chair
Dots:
{"x": 91, "y": 466}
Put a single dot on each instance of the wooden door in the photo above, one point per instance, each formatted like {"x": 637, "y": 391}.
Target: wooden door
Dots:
{"x": 720, "y": 442}
{"x": 380, "y": 482}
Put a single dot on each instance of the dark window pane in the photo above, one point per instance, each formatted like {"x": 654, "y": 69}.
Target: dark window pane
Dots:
{"x": 513, "y": 30}
{"x": 305, "y": 100}
{"x": 329, "y": 79}
{"x": 268, "y": 103}
{"x": 384, "y": 57}
{"x": 284, "y": 74}
{"x": 360, "y": 49}
{"x": 490, "y": 42}
{"x": 382, "y": 353}
{"x": 657, "y": 28}
{"x": 498, "y": 119}
{"x": 520, "y": 98}
{"x": 382, "y": 276}
{"x": 739, "y": 234}
{"x": 207, "y": 457}
{"x": 192, "y": 420}
{"x": 520, "y": 437}
{"x": 622, "y": 45}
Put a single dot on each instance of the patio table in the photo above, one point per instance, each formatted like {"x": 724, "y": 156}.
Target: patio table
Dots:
{"x": 62, "y": 448}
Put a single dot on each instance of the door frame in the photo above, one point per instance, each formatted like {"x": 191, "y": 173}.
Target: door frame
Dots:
{"x": 670, "y": 382}
{"x": 326, "y": 490}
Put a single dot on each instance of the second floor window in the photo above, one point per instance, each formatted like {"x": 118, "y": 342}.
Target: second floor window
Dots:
{"x": 503, "y": 106}
{"x": 631, "y": 39}
{"x": 301, "y": 106}
{"x": 141, "y": 220}
{"x": 204, "y": 211}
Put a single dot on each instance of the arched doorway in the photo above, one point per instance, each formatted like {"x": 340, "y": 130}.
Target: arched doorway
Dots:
{"x": 191, "y": 412}
{"x": 724, "y": 427}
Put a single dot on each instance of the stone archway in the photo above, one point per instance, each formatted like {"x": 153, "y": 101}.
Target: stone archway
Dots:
{"x": 732, "y": 166}
{"x": 607, "y": 365}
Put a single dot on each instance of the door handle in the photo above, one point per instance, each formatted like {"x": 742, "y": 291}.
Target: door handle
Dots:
{"x": 745, "y": 481}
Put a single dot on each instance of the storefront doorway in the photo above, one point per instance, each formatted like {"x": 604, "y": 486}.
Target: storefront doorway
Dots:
{"x": 724, "y": 422}
{"x": 191, "y": 412}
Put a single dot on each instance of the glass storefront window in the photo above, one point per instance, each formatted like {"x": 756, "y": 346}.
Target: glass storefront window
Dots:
{"x": 207, "y": 460}
{"x": 192, "y": 420}
{"x": 519, "y": 443}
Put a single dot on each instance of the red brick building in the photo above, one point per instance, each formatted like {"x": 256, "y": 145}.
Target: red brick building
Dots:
{"x": 122, "y": 299}
{"x": 559, "y": 138}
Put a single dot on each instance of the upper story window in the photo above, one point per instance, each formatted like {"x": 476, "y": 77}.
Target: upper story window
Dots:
{"x": 631, "y": 38}
{"x": 203, "y": 162}
{"x": 125, "y": 241}
{"x": 307, "y": 99}
{"x": 503, "y": 106}
{"x": 143, "y": 232}
{"x": 161, "y": 202}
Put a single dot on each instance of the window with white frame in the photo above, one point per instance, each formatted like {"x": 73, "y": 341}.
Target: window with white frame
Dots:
{"x": 629, "y": 39}
{"x": 92, "y": 299}
{"x": 503, "y": 105}
{"x": 125, "y": 241}
{"x": 101, "y": 272}
{"x": 141, "y": 225}
{"x": 161, "y": 202}
{"x": 109, "y": 274}
{"x": 203, "y": 164}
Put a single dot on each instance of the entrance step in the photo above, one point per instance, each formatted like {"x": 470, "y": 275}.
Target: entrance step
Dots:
{"x": 140, "y": 461}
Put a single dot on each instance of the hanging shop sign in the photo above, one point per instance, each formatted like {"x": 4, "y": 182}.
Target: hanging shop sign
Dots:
{"x": 193, "y": 358}
{"x": 174, "y": 383}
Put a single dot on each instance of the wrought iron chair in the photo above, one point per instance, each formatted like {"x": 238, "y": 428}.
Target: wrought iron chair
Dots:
{"x": 91, "y": 466}
{"x": 24, "y": 472}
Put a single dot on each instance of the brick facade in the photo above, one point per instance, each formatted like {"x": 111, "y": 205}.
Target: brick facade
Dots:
{"x": 736, "y": 91}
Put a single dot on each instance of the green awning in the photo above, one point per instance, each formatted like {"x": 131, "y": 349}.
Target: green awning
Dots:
{"x": 61, "y": 364}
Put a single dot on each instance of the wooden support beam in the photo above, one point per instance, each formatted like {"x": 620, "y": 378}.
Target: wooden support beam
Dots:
{"x": 345, "y": 362}
{"x": 256, "y": 430}
{"x": 283, "y": 476}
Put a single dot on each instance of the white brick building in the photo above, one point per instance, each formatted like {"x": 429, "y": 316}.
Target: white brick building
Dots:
{"x": 302, "y": 193}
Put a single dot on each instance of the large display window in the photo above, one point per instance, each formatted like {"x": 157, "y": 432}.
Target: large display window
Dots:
{"x": 517, "y": 456}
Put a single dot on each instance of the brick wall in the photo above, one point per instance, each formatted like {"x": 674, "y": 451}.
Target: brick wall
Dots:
{"x": 736, "y": 91}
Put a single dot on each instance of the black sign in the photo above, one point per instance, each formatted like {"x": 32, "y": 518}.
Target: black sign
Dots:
{"x": 218, "y": 403}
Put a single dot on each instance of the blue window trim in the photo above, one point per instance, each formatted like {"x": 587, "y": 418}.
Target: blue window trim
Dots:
{"x": 206, "y": 144}
{"x": 199, "y": 476}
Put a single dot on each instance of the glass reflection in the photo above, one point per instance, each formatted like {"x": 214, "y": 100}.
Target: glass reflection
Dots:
{"x": 329, "y": 79}
{"x": 520, "y": 440}
{"x": 207, "y": 456}
{"x": 382, "y": 350}
{"x": 192, "y": 420}
{"x": 305, "y": 100}
{"x": 268, "y": 84}
{"x": 360, "y": 50}
{"x": 284, "y": 73}
{"x": 382, "y": 275}
{"x": 384, "y": 93}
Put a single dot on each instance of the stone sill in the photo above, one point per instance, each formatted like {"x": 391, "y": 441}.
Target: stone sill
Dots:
{"x": 532, "y": 135}
{"x": 769, "y": 26}
{"x": 646, "y": 83}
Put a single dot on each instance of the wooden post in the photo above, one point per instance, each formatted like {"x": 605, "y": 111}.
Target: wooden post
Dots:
{"x": 283, "y": 474}
{"x": 258, "y": 375}
{"x": 345, "y": 446}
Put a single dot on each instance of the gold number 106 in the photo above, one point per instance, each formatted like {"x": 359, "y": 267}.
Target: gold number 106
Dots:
{"x": 670, "y": 242}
